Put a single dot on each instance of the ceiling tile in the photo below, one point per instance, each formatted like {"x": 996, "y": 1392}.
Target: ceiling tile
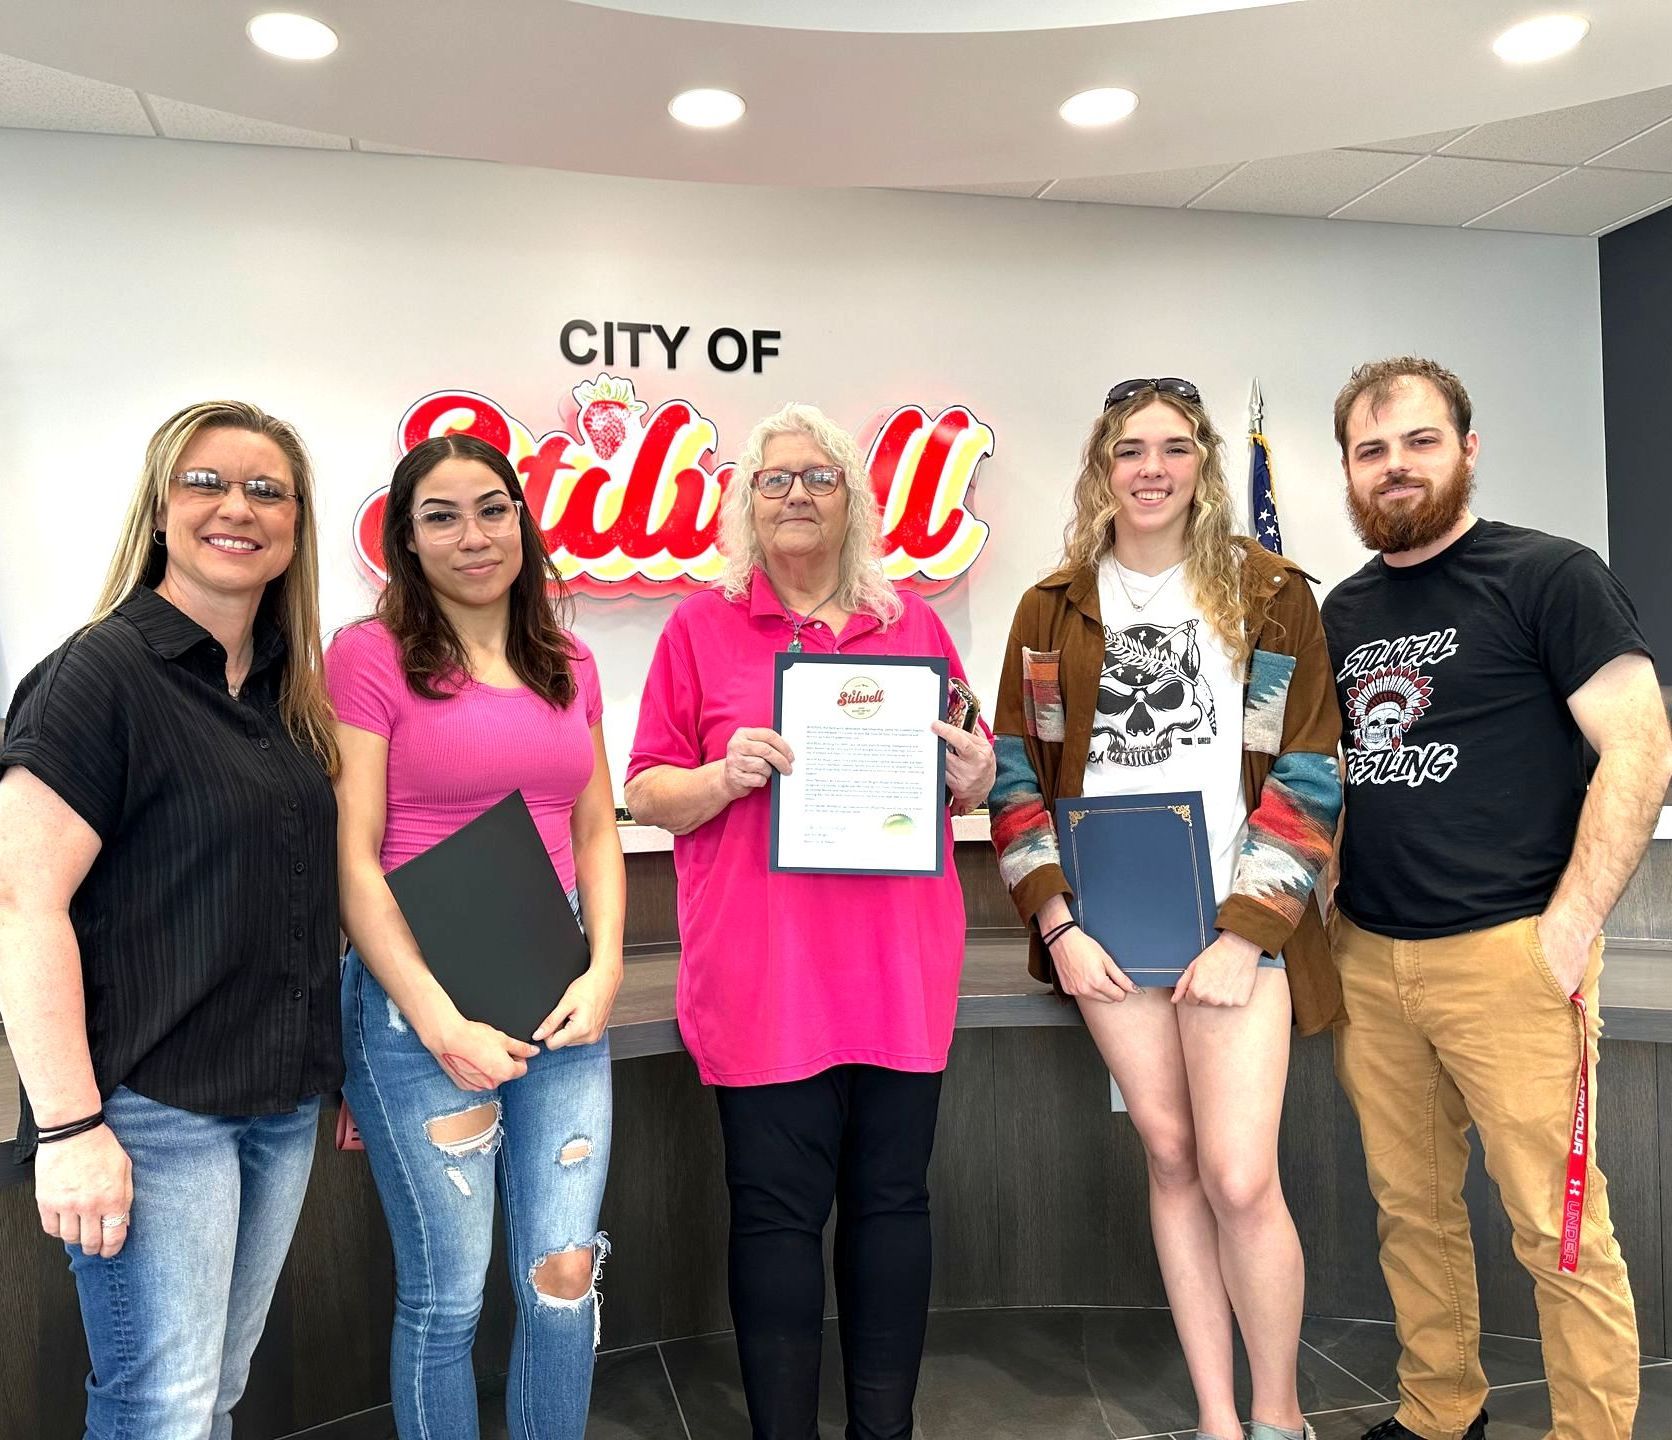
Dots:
{"x": 1015, "y": 189}
{"x": 1581, "y": 202}
{"x": 1441, "y": 190}
{"x": 1650, "y": 151}
{"x": 1632, "y": 218}
{"x": 1419, "y": 144}
{"x": 1168, "y": 188}
{"x": 1311, "y": 184}
{"x": 1567, "y": 137}
{"x": 180, "y": 121}
{"x": 37, "y": 97}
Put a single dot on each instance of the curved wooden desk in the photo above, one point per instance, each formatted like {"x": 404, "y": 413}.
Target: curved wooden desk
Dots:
{"x": 1039, "y": 1199}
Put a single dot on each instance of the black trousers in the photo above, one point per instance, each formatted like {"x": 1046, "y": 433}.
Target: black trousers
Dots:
{"x": 859, "y": 1136}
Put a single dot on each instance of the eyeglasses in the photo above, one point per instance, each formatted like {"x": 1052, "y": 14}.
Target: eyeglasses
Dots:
{"x": 212, "y": 485}
{"x": 1166, "y": 385}
{"x": 442, "y": 525}
{"x": 815, "y": 479}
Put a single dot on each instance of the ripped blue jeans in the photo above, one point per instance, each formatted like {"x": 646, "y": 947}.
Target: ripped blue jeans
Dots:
{"x": 543, "y": 1143}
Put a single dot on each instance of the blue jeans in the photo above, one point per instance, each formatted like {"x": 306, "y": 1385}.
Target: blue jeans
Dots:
{"x": 173, "y": 1318}
{"x": 547, "y": 1154}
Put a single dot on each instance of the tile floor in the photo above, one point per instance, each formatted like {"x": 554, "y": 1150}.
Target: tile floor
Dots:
{"x": 1062, "y": 1374}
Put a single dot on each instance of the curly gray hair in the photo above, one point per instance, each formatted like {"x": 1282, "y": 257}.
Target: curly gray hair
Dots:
{"x": 863, "y": 587}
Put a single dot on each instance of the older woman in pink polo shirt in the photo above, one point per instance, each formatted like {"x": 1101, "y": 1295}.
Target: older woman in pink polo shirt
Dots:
{"x": 820, "y": 1007}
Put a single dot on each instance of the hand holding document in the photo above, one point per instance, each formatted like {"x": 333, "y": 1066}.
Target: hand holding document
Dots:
{"x": 865, "y": 795}
{"x": 1142, "y": 878}
{"x": 491, "y": 918}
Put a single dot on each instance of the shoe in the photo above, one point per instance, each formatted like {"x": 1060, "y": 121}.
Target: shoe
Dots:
{"x": 1391, "y": 1429}
{"x": 1262, "y": 1431}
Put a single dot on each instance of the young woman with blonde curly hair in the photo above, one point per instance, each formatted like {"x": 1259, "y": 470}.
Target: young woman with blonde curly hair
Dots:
{"x": 1169, "y": 654}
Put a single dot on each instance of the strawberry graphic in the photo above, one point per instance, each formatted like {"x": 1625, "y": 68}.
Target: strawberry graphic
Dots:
{"x": 605, "y": 406}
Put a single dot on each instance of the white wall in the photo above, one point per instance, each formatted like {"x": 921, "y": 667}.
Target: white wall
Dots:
{"x": 335, "y": 289}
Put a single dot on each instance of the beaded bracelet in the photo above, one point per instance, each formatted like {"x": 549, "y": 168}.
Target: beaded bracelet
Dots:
{"x": 1062, "y": 929}
{"x": 49, "y": 1134}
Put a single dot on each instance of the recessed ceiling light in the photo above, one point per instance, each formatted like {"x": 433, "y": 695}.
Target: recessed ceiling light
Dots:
{"x": 1541, "y": 39}
{"x": 291, "y": 37}
{"x": 706, "y": 109}
{"x": 1098, "y": 107}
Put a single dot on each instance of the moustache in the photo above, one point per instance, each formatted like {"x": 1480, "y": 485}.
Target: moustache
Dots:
{"x": 1405, "y": 483}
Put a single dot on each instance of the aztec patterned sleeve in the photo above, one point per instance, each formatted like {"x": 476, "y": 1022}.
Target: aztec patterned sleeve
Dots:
{"x": 1029, "y": 716}
{"x": 1290, "y": 713}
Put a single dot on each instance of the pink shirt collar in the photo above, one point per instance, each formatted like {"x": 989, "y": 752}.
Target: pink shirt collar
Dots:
{"x": 765, "y": 604}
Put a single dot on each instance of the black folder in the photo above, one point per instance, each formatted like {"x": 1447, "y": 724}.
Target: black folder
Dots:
{"x": 489, "y": 913}
{"x": 1142, "y": 878}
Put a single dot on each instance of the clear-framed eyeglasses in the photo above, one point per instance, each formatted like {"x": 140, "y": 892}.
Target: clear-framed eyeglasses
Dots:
{"x": 444, "y": 524}
{"x": 212, "y": 485}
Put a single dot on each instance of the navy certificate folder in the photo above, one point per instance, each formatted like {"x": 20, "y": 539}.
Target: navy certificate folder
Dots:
{"x": 489, "y": 913}
{"x": 1142, "y": 878}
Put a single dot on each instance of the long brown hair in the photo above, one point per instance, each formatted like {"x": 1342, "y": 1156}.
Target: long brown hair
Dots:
{"x": 1213, "y": 557}
{"x": 291, "y": 599}
{"x": 432, "y": 655}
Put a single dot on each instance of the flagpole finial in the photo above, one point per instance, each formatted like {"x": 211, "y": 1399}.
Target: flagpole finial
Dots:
{"x": 1256, "y": 407}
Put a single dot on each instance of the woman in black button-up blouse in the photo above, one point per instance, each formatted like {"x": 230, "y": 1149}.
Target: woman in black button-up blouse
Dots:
{"x": 168, "y": 920}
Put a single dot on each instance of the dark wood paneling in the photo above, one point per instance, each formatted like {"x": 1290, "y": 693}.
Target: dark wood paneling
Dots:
{"x": 1040, "y": 1197}
{"x": 963, "y": 1179}
{"x": 986, "y": 901}
{"x": 21, "y": 1283}
{"x": 665, "y": 1207}
{"x": 1645, "y": 909}
{"x": 1663, "y": 1152}
{"x": 1321, "y": 1164}
{"x": 1073, "y": 1189}
{"x": 651, "y": 908}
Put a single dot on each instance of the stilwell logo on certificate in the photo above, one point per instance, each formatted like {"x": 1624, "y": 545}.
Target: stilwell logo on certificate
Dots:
{"x": 860, "y": 698}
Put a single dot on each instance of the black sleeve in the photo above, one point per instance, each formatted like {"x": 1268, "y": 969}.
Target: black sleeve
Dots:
{"x": 1583, "y": 619}
{"x": 66, "y": 729}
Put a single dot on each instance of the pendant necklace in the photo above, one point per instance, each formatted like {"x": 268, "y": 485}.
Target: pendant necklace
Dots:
{"x": 1120, "y": 580}
{"x": 796, "y": 625}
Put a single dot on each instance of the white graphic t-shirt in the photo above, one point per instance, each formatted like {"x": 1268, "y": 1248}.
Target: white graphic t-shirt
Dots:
{"x": 1169, "y": 707}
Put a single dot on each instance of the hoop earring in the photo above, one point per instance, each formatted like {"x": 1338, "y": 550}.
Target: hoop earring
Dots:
{"x": 159, "y": 538}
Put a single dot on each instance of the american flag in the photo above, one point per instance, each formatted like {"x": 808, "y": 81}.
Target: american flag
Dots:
{"x": 1262, "y": 498}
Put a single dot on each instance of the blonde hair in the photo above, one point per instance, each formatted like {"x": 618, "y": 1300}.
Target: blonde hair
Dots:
{"x": 294, "y": 595}
{"x": 861, "y": 585}
{"x": 1213, "y": 558}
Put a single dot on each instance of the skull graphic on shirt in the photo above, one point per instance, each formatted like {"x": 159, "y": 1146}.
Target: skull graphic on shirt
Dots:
{"x": 1151, "y": 695}
{"x": 1383, "y": 705}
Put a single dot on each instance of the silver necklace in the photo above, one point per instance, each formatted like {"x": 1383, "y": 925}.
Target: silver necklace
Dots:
{"x": 797, "y": 625}
{"x": 1138, "y": 609}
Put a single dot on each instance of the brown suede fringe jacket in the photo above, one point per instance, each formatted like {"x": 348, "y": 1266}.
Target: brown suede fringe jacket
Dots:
{"x": 1291, "y": 778}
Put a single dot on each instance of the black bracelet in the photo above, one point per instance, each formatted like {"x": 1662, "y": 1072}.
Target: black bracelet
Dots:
{"x": 48, "y": 1134}
{"x": 1061, "y": 929}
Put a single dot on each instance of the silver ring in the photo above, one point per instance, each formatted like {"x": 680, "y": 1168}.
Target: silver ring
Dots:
{"x": 113, "y": 1222}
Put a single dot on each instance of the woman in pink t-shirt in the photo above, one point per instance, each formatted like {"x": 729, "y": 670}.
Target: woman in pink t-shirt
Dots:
{"x": 819, "y": 1006}
{"x": 464, "y": 688}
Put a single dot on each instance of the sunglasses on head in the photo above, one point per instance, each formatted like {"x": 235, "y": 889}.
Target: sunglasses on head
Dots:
{"x": 1166, "y": 385}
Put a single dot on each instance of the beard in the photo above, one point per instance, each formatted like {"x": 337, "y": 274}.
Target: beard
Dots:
{"x": 1411, "y": 524}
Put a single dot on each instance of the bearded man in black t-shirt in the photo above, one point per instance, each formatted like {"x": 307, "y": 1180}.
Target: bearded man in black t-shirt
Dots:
{"x": 1479, "y": 858}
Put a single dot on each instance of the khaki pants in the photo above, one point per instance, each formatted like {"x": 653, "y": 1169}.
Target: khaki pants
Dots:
{"x": 1475, "y": 1028}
